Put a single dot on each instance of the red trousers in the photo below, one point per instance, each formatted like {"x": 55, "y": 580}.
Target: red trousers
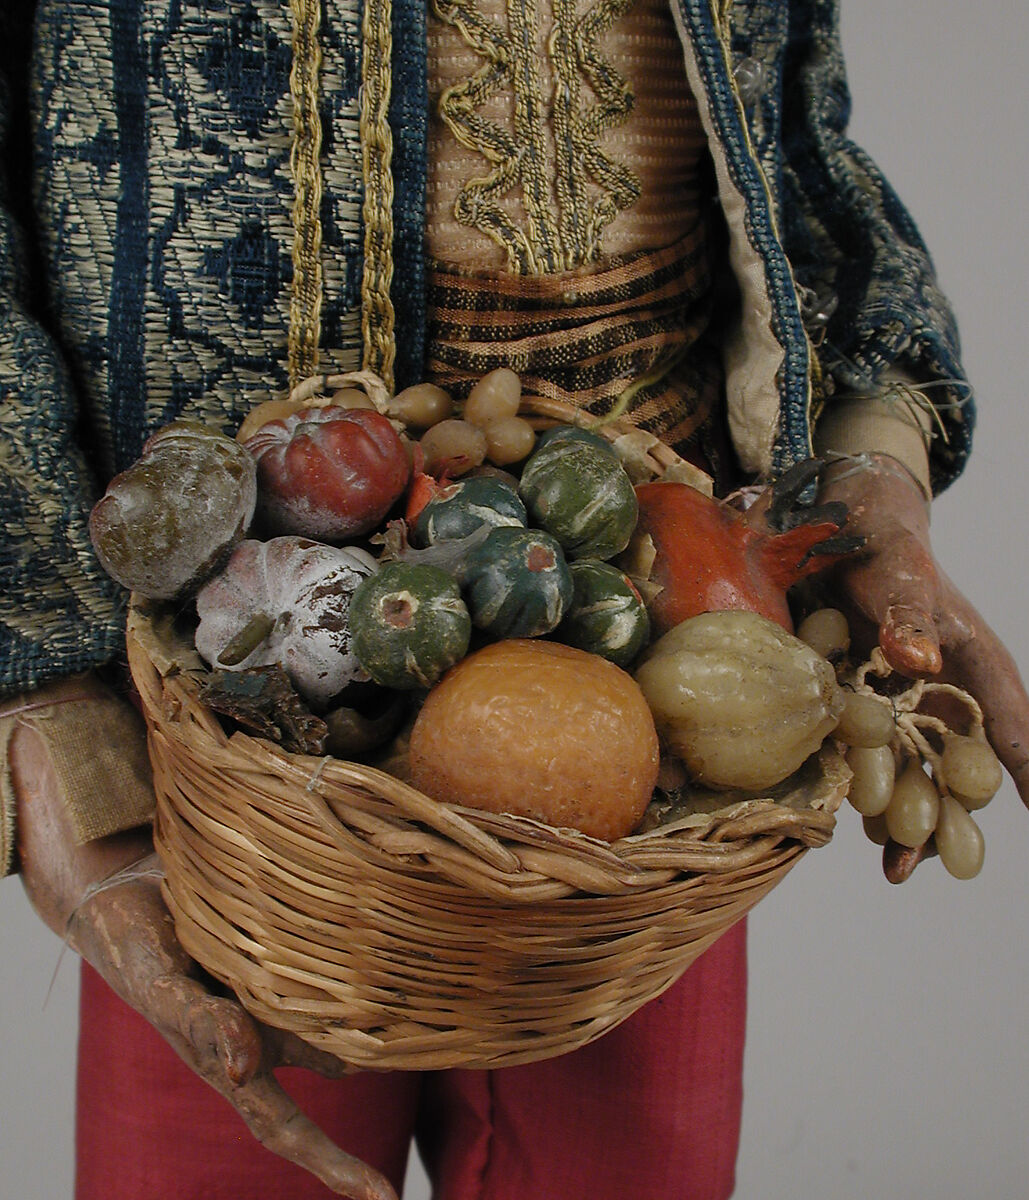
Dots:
{"x": 651, "y": 1111}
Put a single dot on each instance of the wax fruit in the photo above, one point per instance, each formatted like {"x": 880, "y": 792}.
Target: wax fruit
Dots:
{"x": 170, "y": 520}
{"x": 580, "y": 493}
{"x": 606, "y": 614}
{"x": 285, "y": 601}
{"x": 705, "y": 556}
{"x": 742, "y": 702}
{"x": 328, "y": 473}
{"x": 516, "y": 583}
{"x": 459, "y": 508}
{"x": 540, "y": 730}
{"x": 409, "y": 625}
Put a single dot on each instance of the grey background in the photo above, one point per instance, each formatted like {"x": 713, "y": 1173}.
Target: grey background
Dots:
{"x": 887, "y": 1047}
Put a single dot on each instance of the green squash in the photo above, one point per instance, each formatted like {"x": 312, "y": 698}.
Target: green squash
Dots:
{"x": 574, "y": 433}
{"x": 517, "y": 583}
{"x": 460, "y": 508}
{"x": 581, "y": 494}
{"x": 409, "y": 625}
{"x": 607, "y": 615}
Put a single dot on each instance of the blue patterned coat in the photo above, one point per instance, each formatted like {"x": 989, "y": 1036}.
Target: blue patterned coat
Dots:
{"x": 145, "y": 238}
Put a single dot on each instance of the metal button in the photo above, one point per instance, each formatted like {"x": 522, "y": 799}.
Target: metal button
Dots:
{"x": 750, "y": 80}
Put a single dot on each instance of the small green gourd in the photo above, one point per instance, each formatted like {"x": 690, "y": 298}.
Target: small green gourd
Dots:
{"x": 517, "y": 583}
{"x": 574, "y": 433}
{"x": 580, "y": 493}
{"x": 459, "y": 509}
{"x": 409, "y": 625}
{"x": 607, "y": 615}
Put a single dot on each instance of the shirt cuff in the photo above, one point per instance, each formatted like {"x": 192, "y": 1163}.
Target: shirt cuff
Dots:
{"x": 887, "y": 423}
{"x": 97, "y": 744}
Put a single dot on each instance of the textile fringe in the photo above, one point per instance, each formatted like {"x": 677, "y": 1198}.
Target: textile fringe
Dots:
{"x": 306, "y": 299}
{"x": 377, "y": 315}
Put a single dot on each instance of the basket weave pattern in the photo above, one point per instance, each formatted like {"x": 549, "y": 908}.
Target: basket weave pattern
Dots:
{"x": 395, "y": 932}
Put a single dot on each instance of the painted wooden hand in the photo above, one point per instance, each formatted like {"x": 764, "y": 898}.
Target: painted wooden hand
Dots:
{"x": 125, "y": 932}
{"x": 924, "y": 625}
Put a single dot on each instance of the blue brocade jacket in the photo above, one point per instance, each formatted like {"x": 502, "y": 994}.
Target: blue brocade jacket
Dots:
{"x": 145, "y": 251}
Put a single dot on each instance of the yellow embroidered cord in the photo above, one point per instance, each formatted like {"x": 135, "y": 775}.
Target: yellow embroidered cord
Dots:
{"x": 550, "y": 145}
{"x": 306, "y": 298}
{"x": 377, "y": 315}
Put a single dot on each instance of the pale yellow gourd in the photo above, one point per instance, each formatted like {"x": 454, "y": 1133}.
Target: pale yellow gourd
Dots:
{"x": 742, "y": 702}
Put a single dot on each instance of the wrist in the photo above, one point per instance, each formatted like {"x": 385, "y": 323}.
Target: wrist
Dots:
{"x": 875, "y": 463}
{"x": 56, "y": 868}
{"x": 894, "y": 422}
{"x": 77, "y": 798}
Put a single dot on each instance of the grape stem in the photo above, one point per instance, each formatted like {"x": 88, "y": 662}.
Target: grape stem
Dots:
{"x": 912, "y": 725}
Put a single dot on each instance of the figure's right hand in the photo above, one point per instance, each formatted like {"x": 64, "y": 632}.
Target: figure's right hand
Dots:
{"x": 125, "y": 932}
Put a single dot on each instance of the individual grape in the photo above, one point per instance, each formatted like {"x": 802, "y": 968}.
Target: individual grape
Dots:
{"x": 826, "y": 631}
{"x": 914, "y": 807}
{"x": 270, "y": 410}
{"x": 509, "y": 440}
{"x": 875, "y": 829}
{"x": 865, "y": 721}
{"x": 454, "y": 446}
{"x": 874, "y": 777}
{"x": 421, "y": 405}
{"x": 971, "y": 770}
{"x": 496, "y": 395}
{"x": 959, "y": 840}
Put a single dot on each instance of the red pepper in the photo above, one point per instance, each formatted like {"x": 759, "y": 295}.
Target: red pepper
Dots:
{"x": 422, "y": 489}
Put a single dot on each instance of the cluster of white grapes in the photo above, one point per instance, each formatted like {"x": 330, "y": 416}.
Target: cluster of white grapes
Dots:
{"x": 918, "y": 752}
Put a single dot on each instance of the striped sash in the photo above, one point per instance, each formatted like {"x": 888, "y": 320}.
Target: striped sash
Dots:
{"x": 584, "y": 337}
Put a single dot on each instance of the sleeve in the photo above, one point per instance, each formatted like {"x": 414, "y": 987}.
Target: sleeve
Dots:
{"x": 59, "y": 613}
{"x": 875, "y": 310}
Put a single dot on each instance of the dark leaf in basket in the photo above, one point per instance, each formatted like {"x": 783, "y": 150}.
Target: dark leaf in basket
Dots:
{"x": 264, "y": 702}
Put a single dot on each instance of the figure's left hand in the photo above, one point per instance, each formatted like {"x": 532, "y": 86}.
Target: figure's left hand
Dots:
{"x": 925, "y": 626}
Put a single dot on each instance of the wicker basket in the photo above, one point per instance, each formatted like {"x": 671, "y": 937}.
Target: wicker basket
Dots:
{"x": 342, "y": 904}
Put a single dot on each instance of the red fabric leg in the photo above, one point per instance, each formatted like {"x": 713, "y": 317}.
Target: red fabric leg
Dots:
{"x": 650, "y": 1111}
{"x": 149, "y": 1129}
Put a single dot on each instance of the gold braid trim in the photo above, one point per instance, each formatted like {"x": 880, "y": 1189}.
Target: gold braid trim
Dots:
{"x": 551, "y": 150}
{"x": 620, "y": 187}
{"x": 306, "y": 299}
{"x": 478, "y": 203}
{"x": 377, "y": 315}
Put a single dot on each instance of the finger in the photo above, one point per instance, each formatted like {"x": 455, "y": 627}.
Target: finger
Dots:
{"x": 274, "y": 1119}
{"x": 289, "y": 1050}
{"x": 218, "y": 1039}
{"x": 980, "y": 663}
{"x": 909, "y": 640}
{"x": 223, "y": 1044}
{"x": 899, "y": 861}
{"x": 898, "y": 590}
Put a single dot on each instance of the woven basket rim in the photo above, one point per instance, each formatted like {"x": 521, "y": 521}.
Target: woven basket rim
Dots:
{"x": 520, "y": 858}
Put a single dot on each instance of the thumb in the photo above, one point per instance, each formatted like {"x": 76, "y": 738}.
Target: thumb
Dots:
{"x": 213, "y": 1034}
{"x": 910, "y": 641}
